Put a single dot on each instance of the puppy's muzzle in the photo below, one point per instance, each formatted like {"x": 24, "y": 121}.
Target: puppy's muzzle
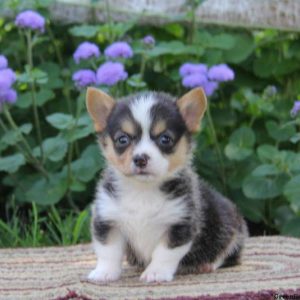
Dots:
{"x": 141, "y": 161}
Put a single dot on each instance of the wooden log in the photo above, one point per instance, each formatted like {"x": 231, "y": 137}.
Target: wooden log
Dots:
{"x": 276, "y": 14}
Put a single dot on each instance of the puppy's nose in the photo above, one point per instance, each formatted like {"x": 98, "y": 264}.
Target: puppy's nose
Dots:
{"x": 141, "y": 160}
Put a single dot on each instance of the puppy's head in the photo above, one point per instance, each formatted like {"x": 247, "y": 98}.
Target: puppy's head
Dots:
{"x": 148, "y": 135}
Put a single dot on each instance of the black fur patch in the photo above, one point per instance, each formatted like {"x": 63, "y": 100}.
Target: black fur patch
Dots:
{"x": 166, "y": 109}
{"x": 179, "y": 234}
{"x": 120, "y": 113}
{"x": 216, "y": 232}
{"x": 233, "y": 259}
{"x": 101, "y": 229}
{"x": 109, "y": 188}
{"x": 175, "y": 188}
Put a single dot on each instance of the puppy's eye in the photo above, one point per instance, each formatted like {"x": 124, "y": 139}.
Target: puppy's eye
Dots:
{"x": 165, "y": 140}
{"x": 123, "y": 140}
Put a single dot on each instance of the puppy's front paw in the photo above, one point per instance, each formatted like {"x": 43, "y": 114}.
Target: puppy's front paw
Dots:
{"x": 104, "y": 274}
{"x": 157, "y": 274}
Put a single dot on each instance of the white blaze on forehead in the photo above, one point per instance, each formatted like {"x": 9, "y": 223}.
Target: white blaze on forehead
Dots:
{"x": 141, "y": 111}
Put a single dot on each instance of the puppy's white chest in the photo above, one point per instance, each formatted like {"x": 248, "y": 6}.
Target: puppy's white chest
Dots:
{"x": 143, "y": 216}
{"x": 143, "y": 219}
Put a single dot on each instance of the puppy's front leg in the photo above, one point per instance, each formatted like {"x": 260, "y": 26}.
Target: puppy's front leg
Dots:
{"x": 167, "y": 255}
{"x": 109, "y": 248}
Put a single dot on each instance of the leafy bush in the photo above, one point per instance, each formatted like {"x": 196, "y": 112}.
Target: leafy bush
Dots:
{"x": 248, "y": 147}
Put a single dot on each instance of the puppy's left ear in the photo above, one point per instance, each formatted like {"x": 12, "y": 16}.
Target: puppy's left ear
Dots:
{"x": 192, "y": 106}
{"x": 99, "y": 106}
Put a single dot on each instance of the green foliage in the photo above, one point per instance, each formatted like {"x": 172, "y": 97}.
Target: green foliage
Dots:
{"x": 36, "y": 230}
{"x": 248, "y": 148}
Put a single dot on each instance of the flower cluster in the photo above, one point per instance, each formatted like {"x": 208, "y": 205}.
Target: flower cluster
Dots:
{"x": 86, "y": 50}
{"x": 194, "y": 75}
{"x": 296, "y": 108}
{"x": 109, "y": 73}
{"x": 83, "y": 78}
{"x": 7, "y": 79}
{"x": 30, "y": 20}
{"x": 149, "y": 40}
{"x": 118, "y": 50}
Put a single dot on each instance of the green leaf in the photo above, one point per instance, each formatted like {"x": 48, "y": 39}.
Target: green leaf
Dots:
{"x": 267, "y": 153}
{"x": 53, "y": 70}
{"x": 295, "y": 138}
{"x": 234, "y": 152}
{"x": 12, "y": 163}
{"x": 86, "y": 31}
{"x": 263, "y": 187}
{"x": 243, "y": 47}
{"x": 240, "y": 144}
{"x": 84, "y": 169}
{"x": 264, "y": 65}
{"x": 55, "y": 148}
{"x": 280, "y": 133}
{"x": 24, "y": 100}
{"x": 265, "y": 170}
{"x": 136, "y": 81}
{"x": 12, "y": 136}
{"x": 222, "y": 41}
{"x": 292, "y": 227}
{"x": 61, "y": 121}
{"x": 77, "y": 133}
{"x": 48, "y": 192}
{"x": 34, "y": 75}
{"x": 252, "y": 210}
{"x": 77, "y": 186}
{"x": 175, "y": 29}
{"x": 44, "y": 96}
{"x": 292, "y": 191}
{"x": 174, "y": 48}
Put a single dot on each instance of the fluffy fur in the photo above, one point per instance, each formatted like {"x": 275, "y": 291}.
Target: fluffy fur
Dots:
{"x": 150, "y": 204}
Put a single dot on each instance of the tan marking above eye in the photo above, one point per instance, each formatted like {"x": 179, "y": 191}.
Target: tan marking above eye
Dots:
{"x": 128, "y": 127}
{"x": 159, "y": 127}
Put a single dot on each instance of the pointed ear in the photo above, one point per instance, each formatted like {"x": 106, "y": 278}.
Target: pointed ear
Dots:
{"x": 192, "y": 106}
{"x": 99, "y": 106}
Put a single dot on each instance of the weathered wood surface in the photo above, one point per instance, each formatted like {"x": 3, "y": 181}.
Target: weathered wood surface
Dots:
{"x": 277, "y": 14}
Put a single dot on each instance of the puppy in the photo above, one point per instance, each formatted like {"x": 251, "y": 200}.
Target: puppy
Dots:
{"x": 150, "y": 204}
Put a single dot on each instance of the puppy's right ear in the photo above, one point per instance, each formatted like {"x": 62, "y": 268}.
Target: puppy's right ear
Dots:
{"x": 99, "y": 106}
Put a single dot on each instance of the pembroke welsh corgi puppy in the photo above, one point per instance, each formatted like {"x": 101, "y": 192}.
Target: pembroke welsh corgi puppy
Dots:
{"x": 150, "y": 204}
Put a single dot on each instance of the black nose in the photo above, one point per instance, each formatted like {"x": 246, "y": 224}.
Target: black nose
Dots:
{"x": 141, "y": 160}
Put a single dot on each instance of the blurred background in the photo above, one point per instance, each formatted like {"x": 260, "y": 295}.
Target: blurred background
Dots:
{"x": 245, "y": 54}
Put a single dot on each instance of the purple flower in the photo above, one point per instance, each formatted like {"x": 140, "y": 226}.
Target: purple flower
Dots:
{"x": 220, "y": 73}
{"x": 9, "y": 96}
{"x": 296, "y": 108}
{"x": 111, "y": 73}
{"x": 190, "y": 68}
{"x": 3, "y": 62}
{"x": 31, "y": 20}
{"x": 118, "y": 49}
{"x": 149, "y": 40}
{"x": 86, "y": 50}
{"x": 210, "y": 87}
{"x": 194, "y": 80}
{"x": 7, "y": 78}
{"x": 83, "y": 78}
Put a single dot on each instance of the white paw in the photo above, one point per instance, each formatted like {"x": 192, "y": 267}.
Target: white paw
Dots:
{"x": 157, "y": 275}
{"x": 104, "y": 274}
